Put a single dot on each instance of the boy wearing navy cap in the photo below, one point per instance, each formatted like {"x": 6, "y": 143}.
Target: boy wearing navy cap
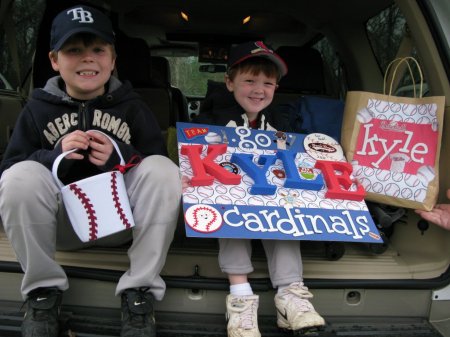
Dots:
{"x": 66, "y": 114}
{"x": 253, "y": 74}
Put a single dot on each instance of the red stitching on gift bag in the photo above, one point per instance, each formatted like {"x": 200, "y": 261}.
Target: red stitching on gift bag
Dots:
{"x": 89, "y": 210}
{"x": 116, "y": 199}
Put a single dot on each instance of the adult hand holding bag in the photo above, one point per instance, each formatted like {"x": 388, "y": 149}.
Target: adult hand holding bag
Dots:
{"x": 393, "y": 143}
{"x": 97, "y": 206}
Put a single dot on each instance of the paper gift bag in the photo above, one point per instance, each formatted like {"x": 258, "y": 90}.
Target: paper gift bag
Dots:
{"x": 393, "y": 144}
{"x": 97, "y": 206}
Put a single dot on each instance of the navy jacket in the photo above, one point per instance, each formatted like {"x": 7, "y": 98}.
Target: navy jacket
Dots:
{"x": 51, "y": 114}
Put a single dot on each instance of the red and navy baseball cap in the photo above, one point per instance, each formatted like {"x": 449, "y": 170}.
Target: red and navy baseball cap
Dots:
{"x": 246, "y": 50}
{"x": 80, "y": 19}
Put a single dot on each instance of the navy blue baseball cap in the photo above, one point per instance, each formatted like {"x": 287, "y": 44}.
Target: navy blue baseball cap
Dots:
{"x": 80, "y": 19}
{"x": 246, "y": 50}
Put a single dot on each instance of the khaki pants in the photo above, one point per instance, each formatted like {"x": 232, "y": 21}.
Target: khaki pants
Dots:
{"x": 36, "y": 224}
{"x": 283, "y": 259}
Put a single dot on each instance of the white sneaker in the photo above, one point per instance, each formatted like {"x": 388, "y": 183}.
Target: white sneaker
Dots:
{"x": 242, "y": 316}
{"x": 294, "y": 310}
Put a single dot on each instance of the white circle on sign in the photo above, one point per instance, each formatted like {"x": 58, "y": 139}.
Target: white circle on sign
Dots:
{"x": 256, "y": 201}
{"x": 243, "y": 131}
{"x": 203, "y": 218}
{"x": 246, "y": 144}
{"x": 354, "y": 205}
{"x": 309, "y": 196}
{"x": 190, "y": 199}
{"x": 224, "y": 200}
{"x": 221, "y": 189}
{"x": 326, "y": 204}
{"x": 271, "y": 203}
{"x": 323, "y": 147}
{"x": 213, "y": 138}
{"x": 205, "y": 191}
{"x": 246, "y": 179}
{"x": 237, "y": 192}
{"x": 263, "y": 140}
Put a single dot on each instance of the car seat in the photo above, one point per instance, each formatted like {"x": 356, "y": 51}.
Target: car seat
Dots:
{"x": 134, "y": 64}
{"x": 160, "y": 73}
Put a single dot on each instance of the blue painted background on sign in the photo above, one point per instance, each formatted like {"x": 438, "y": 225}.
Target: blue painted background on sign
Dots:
{"x": 232, "y": 211}
{"x": 239, "y": 137}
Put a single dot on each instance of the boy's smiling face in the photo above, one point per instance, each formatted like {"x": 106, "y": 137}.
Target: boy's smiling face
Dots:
{"x": 84, "y": 69}
{"x": 253, "y": 92}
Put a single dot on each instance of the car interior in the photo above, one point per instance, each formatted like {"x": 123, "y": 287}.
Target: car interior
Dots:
{"x": 174, "y": 53}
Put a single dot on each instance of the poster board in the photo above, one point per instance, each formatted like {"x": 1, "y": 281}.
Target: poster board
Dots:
{"x": 246, "y": 183}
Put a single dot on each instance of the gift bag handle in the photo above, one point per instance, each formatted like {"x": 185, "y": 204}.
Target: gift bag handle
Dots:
{"x": 399, "y": 61}
{"x": 62, "y": 155}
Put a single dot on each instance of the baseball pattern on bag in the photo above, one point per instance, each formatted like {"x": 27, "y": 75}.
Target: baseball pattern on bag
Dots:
{"x": 90, "y": 212}
{"x": 117, "y": 203}
{"x": 396, "y": 148}
{"x": 96, "y": 206}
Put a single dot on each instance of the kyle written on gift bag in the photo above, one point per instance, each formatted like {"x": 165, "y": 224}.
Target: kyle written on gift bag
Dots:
{"x": 393, "y": 144}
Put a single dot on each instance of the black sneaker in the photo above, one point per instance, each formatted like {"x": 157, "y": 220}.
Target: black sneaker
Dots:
{"x": 41, "y": 318}
{"x": 138, "y": 319}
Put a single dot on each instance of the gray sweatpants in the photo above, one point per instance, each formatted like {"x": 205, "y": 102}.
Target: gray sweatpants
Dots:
{"x": 36, "y": 224}
{"x": 283, "y": 259}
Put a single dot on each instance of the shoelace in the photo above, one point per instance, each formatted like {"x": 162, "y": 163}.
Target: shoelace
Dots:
{"x": 141, "y": 295}
{"x": 299, "y": 296}
{"x": 246, "y": 315}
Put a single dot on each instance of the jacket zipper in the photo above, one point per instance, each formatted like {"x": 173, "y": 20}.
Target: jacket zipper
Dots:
{"x": 82, "y": 117}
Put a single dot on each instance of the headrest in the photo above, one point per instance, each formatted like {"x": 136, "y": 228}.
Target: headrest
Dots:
{"x": 217, "y": 97}
{"x": 160, "y": 70}
{"x": 305, "y": 70}
{"x": 133, "y": 61}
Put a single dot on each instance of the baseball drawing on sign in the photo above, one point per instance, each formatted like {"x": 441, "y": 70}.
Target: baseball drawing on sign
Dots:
{"x": 249, "y": 187}
{"x": 203, "y": 218}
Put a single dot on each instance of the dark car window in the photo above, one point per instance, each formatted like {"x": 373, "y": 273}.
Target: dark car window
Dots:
{"x": 386, "y": 32}
{"x": 19, "y": 53}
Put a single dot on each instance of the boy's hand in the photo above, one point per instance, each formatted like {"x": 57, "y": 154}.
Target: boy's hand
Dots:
{"x": 100, "y": 148}
{"x": 75, "y": 140}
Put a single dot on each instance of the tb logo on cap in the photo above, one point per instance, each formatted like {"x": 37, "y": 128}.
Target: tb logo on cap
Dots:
{"x": 82, "y": 15}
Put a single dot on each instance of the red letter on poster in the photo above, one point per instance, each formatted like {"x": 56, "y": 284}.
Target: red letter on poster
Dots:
{"x": 338, "y": 184}
{"x": 206, "y": 169}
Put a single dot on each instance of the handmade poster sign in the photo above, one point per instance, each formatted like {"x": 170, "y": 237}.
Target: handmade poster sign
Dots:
{"x": 245, "y": 183}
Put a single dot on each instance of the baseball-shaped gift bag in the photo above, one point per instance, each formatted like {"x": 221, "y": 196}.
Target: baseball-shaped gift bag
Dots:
{"x": 97, "y": 206}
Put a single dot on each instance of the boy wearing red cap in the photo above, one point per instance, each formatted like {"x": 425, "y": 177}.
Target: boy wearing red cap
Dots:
{"x": 66, "y": 114}
{"x": 253, "y": 74}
